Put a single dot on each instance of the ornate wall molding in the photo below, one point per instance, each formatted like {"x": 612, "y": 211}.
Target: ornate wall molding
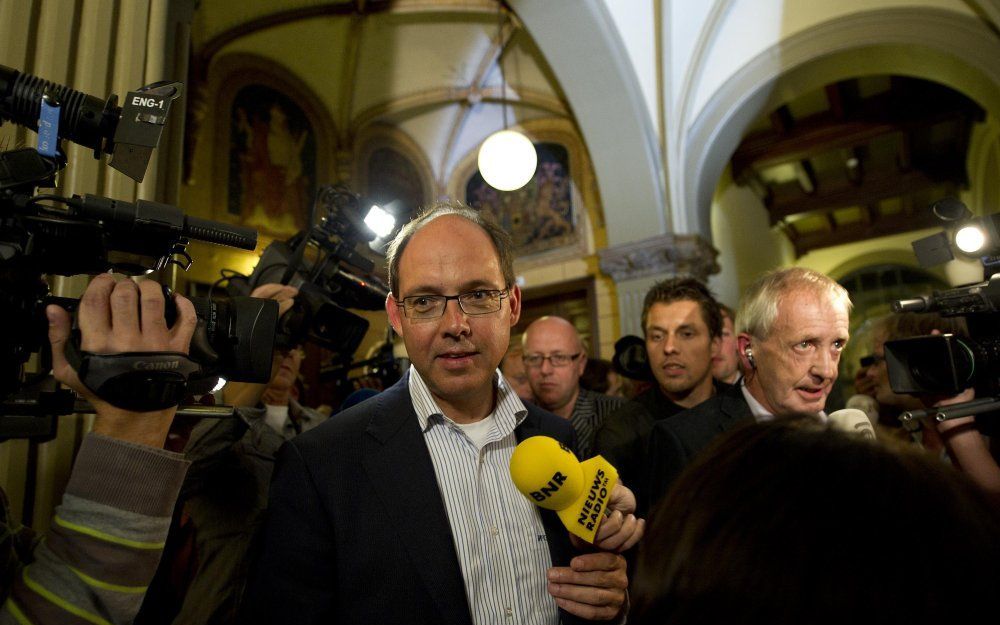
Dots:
{"x": 670, "y": 254}
{"x": 375, "y": 136}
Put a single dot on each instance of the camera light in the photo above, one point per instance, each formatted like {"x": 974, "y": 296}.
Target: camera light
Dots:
{"x": 380, "y": 221}
{"x": 970, "y": 239}
{"x": 218, "y": 385}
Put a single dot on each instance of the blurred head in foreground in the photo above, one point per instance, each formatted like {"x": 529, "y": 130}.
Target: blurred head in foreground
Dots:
{"x": 777, "y": 523}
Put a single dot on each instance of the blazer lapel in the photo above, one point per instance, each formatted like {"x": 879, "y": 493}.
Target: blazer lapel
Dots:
{"x": 529, "y": 427}
{"x": 402, "y": 474}
{"x": 734, "y": 409}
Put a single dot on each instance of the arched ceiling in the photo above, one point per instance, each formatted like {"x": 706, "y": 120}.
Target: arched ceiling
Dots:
{"x": 858, "y": 159}
{"x": 944, "y": 47}
{"x": 427, "y": 67}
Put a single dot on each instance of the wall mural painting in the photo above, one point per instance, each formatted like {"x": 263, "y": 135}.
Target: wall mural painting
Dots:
{"x": 272, "y": 162}
{"x": 539, "y": 216}
{"x": 394, "y": 181}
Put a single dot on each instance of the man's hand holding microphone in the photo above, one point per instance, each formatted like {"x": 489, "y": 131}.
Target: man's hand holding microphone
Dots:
{"x": 599, "y": 514}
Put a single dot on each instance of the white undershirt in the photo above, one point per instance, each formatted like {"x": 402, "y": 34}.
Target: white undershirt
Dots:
{"x": 276, "y": 417}
{"x": 479, "y": 431}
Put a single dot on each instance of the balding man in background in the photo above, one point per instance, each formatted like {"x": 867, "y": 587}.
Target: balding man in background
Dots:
{"x": 555, "y": 358}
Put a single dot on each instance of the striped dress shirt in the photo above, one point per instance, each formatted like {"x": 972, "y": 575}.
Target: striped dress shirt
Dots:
{"x": 499, "y": 536}
{"x": 589, "y": 413}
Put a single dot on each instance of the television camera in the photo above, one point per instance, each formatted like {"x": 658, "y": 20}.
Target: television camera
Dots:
{"x": 946, "y": 364}
{"x": 324, "y": 263}
{"x": 47, "y": 234}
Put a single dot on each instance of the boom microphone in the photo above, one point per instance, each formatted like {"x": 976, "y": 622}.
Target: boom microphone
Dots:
{"x": 549, "y": 474}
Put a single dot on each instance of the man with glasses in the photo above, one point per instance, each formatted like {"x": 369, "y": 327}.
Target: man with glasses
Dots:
{"x": 555, "y": 359}
{"x": 401, "y": 509}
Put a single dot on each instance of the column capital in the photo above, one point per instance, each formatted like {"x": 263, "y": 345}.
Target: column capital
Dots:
{"x": 666, "y": 255}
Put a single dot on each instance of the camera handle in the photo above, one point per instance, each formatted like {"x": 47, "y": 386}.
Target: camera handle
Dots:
{"x": 956, "y": 411}
{"x": 139, "y": 381}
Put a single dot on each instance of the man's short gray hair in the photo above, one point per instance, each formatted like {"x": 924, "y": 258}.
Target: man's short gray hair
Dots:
{"x": 759, "y": 305}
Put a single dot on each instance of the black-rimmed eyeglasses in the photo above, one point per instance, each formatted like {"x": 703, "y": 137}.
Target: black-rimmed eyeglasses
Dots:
{"x": 478, "y": 302}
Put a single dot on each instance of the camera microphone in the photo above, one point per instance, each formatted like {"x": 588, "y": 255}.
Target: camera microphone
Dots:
{"x": 917, "y": 304}
{"x": 548, "y": 473}
{"x": 145, "y": 217}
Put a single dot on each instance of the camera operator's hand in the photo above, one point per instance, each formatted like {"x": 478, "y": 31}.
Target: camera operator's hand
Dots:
{"x": 281, "y": 293}
{"x": 244, "y": 394}
{"x": 966, "y": 446}
{"x": 864, "y": 384}
{"x": 114, "y": 318}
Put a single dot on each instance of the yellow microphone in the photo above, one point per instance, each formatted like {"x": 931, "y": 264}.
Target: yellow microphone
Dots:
{"x": 548, "y": 473}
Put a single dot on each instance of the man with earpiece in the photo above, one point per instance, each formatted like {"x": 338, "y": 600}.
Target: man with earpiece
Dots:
{"x": 792, "y": 326}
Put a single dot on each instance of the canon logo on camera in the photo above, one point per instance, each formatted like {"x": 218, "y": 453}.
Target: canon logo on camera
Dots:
{"x": 144, "y": 365}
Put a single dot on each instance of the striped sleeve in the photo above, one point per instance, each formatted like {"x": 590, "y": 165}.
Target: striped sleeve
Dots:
{"x": 105, "y": 540}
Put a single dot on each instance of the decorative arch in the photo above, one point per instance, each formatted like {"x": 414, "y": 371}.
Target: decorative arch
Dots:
{"x": 409, "y": 171}
{"x": 984, "y": 165}
{"x": 590, "y": 229}
{"x": 626, "y": 158}
{"x": 873, "y": 286}
{"x": 234, "y": 75}
{"x": 933, "y": 44}
{"x": 899, "y": 258}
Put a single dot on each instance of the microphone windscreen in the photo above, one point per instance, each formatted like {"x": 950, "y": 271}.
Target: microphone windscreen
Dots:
{"x": 865, "y": 403}
{"x": 546, "y": 472}
{"x": 549, "y": 474}
{"x": 852, "y": 421}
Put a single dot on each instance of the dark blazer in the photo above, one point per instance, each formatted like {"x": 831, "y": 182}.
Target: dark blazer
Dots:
{"x": 624, "y": 435}
{"x": 674, "y": 442}
{"x": 357, "y": 531}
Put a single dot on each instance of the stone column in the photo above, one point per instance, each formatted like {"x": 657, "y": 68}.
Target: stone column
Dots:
{"x": 637, "y": 265}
